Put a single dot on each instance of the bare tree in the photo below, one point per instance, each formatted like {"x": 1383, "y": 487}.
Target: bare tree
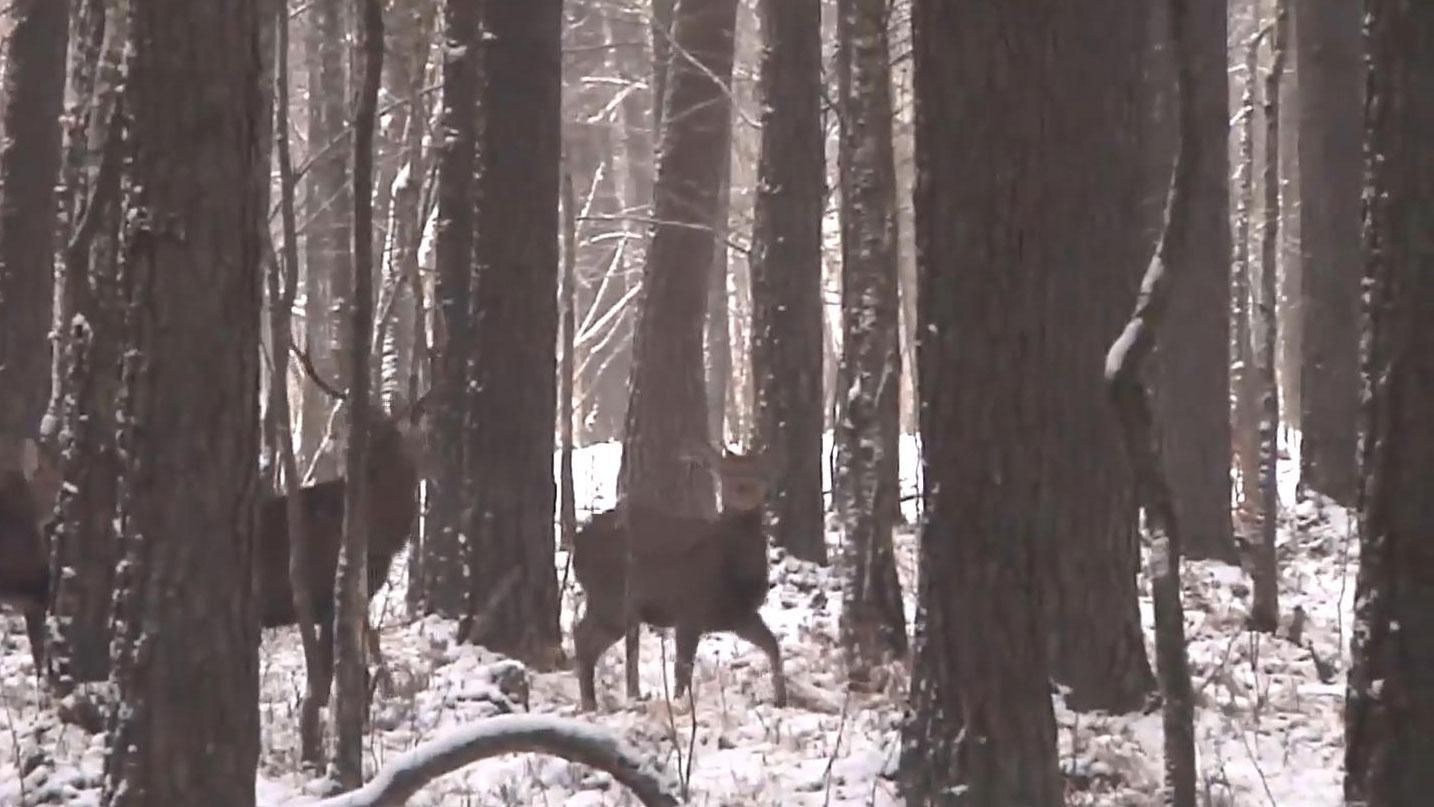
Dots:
{"x": 327, "y": 210}
{"x": 1086, "y": 511}
{"x": 351, "y": 577}
{"x": 1265, "y": 609}
{"x": 1245, "y": 419}
{"x": 283, "y": 288}
{"x": 509, "y": 455}
{"x": 786, "y": 265}
{"x": 1125, "y": 368}
{"x": 441, "y": 582}
{"x": 29, "y": 165}
{"x": 1330, "y": 64}
{"x": 982, "y": 729}
{"x": 191, "y": 423}
{"x": 868, "y": 427}
{"x": 1193, "y": 392}
{"x": 668, "y": 403}
{"x": 88, "y": 315}
{"x": 1389, "y": 716}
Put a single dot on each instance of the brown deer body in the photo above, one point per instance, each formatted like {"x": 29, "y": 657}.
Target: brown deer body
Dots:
{"x": 393, "y": 475}
{"x": 697, "y": 575}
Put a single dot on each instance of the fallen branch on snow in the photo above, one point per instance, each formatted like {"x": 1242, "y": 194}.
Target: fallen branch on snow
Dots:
{"x": 507, "y": 734}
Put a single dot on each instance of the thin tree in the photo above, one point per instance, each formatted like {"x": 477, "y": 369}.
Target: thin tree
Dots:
{"x": 1125, "y": 370}
{"x": 283, "y": 288}
{"x": 1330, "y": 65}
{"x": 981, "y": 731}
{"x": 786, "y": 265}
{"x": 328, "y": 207}
{"x": 1265, "y": 573}
{"x": 441, "y": 582}
{"x": 88, "y": 321}
{"x": 351, "y": 577}
{"x": 1194, "y": 369}
{"x": 186, "y": 730}
{"x": 513, "y": 587}
{"x": 668, "y": 403}
{"x": 1245, "y": 418}
{"x": 567, "y": 294}
{"x": 868, "y": 427}
{"x": 1389, "y": 712}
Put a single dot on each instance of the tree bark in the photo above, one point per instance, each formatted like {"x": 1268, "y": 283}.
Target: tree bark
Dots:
{"x": 1264, "y": 572}
{"x": 88, "y": 319}
{"x": 866, "y": 482}
{"x": 1245, "y": 419}
{"x": 1085, "y": 511}
{"x": 29, "y": 166}
{"x": 982, "y": 730}
{"x": 442, "y": 566}
{"x": 668, "y": 403}
{"x": 351, "y": 576}
{"x": 1124, "y": 371}
{"x": 509, "y": 455}
{"x": 191, "y": 423}
{"x": 1330, "y": 64}
{"x": 786, "y": 266}
{"x": 1389, "y": 717}
{"x": 1192, "y": 394}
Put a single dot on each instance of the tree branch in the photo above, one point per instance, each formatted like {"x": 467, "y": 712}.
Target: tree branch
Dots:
{"x": 509, "y": 734}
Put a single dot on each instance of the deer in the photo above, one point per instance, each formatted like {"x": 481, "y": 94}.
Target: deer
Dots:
{"x": 640, "y": 565}
{"x": 393, "y": 473}
{"x": 29, "y": 485}
{"x": 396, "y": 464}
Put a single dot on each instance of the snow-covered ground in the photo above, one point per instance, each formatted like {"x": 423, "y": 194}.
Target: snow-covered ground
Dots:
{"x": 1269, "y": 731}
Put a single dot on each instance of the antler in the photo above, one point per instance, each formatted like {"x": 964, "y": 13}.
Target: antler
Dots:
{"x": 307, "y": 364}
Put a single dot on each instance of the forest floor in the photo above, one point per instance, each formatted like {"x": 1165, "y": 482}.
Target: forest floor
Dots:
{"x": 1269, "y": 715}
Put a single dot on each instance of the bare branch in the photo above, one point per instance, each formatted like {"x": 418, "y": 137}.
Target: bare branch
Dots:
{"x": 510, "y": 734}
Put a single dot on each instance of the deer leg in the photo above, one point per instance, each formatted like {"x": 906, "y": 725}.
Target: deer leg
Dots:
{"x": 591, "y": 638}
{"x": 381, "y": 677}
{"x": 633, "y": 647}
{"x": 755, "y": 630}
{"x": 687, "y": 637}
{"x": 35, "y": 629}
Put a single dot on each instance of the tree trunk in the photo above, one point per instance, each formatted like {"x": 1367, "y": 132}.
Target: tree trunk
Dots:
{"x": 1330, "y": 64}
{"x": 1264, "y": 572}
{"x": 1085, "y": 511}
{"x": 668, "y": 403}
{"x": 29, "y": 166}
{"x": 1389, "y": 719}
{"x": 88, "y": 313}
{"x": 1125, "y": 367}
{"x": 328, "y": 241}
{"x": 283, "y": 288}
{"x": 351, "y": 575}
{"x": 191, "y": 422}
{"x": 1194, "y": 368}
{"x": 869, "y": 378}
{"x": 1245, "y": 419}
{"x": 982, "y": 730}
{"x": 718, "y": 328}
{"x": 442, "y": 582}
{"x": 786, "y": 266}
{"x": 510, "y": 449}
